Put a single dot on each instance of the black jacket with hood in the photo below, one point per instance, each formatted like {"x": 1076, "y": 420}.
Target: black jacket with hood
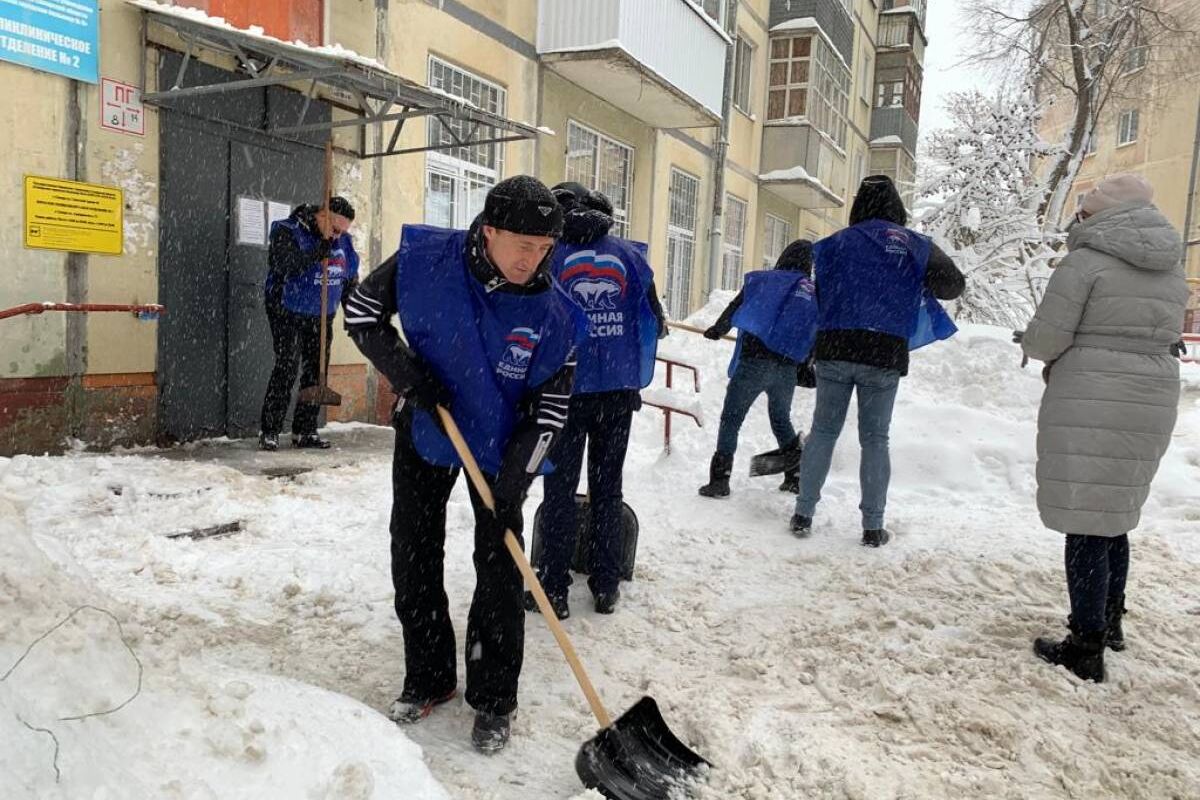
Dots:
{"x": 796, "y": 257}
{"x": 877, "y": 198}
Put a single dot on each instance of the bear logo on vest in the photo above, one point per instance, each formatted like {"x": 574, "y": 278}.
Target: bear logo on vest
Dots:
{"x": 514, "y": 364}
{"x": 596, "y": 282}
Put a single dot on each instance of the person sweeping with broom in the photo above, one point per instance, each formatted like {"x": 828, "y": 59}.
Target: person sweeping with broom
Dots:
{"x": 310, "y": 254}
{"x": 492, "y": 339}
{"x": 776, "y": 314}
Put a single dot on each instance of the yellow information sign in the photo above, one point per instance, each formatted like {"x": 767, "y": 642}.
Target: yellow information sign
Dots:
{"x": 73, "y": 216}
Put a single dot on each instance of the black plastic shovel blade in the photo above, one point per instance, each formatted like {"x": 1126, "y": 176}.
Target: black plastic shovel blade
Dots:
{"x": 638, "y": 758}
{"x": 774, "y": 462}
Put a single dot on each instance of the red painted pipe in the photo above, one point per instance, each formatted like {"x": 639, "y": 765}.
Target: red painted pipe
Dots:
{"x": 38, "y": 308}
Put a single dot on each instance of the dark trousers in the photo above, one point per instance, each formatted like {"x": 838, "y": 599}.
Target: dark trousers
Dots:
{"x": 297, "y": 343}
{"x": 496, "y": 623}
{"x": 1097, "y": 569}
{"x": 752, "y": 377}
{"x": 601, "y": 421}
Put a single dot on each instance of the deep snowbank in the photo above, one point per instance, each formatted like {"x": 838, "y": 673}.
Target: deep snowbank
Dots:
{"x": 801, "y": 668}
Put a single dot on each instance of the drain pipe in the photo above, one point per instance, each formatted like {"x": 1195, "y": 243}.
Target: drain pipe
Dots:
{"x": 720, "y": 152}
{"x": 1188, "y": 218}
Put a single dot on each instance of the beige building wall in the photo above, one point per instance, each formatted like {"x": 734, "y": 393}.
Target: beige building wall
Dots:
{"x": 1166, "y": 95}
{"x": 31, "y": 346}
{"x": 492, "y": 39}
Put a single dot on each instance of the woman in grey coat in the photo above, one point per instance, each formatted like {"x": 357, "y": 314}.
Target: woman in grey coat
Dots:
{"x": 1112, "y": 312}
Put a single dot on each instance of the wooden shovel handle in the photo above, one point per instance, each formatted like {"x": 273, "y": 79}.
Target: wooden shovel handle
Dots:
{"x": 323, "y": 366}
{"x": 518, "y": 555}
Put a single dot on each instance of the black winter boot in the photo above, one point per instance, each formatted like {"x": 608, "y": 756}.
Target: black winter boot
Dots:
{"x": 1082, "y": 653}
{"x": 1114, "y": 610}
{"x": 719, "y": 470}
{"x": 562, "y": 608}
{"x": 490, "y": 732}
{"x": 791, "y": 481}
{"x": 876, "y": 537}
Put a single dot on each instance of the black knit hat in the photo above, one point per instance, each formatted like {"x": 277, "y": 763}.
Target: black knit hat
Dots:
{"x": 522, "y": 204}
{"x": 341, "y": 206}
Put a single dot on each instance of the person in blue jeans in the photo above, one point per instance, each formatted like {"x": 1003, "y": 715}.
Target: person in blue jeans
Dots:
{"x": 775, "y": 313}
{"x": 609, "y": 279}
{"x": 876, "y": 283}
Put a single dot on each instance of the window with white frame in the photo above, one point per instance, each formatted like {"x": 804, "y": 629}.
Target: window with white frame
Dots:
{"x": 1090, "y": 143}
{"x": 603, "y": 164}
{"x": 806, "y": 78}
{"x": 1127, "y": 127}
{"x": 683, "y": 199}
{"x": 743, "y": 65}
{"x": 458, "y": 177}
{"x": 733, "y": 244}
{"x": 777, "y": 233}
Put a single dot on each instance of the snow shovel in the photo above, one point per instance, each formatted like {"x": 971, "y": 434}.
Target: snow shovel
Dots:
{"x": 321, "y": 394}
{"x": 583, "y": 537}
{"x": 774, "y": 462}
{"x": 634, "y": 758}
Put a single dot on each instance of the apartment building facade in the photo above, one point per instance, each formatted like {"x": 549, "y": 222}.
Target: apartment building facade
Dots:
{"x": 1151, "y": 126}
{"x": 443, "y": 99}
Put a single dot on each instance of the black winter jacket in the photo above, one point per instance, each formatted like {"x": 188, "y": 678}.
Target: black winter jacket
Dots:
{"x": 883, "y": 350}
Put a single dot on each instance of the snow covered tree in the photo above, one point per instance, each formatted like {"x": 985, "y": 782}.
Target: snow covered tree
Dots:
{"x": 1081, "y": 53}
{"x": 979, "y": 198}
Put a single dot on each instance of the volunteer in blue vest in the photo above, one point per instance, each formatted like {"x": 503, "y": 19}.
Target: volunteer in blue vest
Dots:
{"x": 876, "y": 287}
{"x": 776, "y": 316}
{"x": 491, "y": 338}
{"x": 608, "y": 278}
{"x": 293, "y": 300}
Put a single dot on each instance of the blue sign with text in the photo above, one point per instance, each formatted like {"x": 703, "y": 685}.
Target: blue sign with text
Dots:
{"x": 59, "y": 36}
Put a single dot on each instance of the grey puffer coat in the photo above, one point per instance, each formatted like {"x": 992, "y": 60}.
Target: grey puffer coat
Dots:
{"x": 1112, "y": 310}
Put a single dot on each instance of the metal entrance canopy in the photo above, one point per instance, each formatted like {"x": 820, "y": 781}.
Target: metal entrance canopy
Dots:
{"x": 364, "y": 88}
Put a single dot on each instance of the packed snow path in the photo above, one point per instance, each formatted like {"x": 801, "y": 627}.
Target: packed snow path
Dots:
{"x": 801, "y": 668}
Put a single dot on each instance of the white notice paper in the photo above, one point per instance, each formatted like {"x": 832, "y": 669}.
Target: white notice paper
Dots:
{"x": 277, "y": 212}
{"x": 252, "y": 228}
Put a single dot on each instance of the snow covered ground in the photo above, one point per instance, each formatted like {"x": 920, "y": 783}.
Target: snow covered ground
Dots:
{"x": 808, "y": 668}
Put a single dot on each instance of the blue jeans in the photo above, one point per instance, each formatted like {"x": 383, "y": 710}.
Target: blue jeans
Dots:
{"x": 752, "y": 377}
{"x": 836, "y": 381}
{"x": 601, "y": 421}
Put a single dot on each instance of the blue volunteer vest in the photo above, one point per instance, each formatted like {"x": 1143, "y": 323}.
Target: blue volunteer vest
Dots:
{"x": 488, "y": 349}
{"x": 608, "y": 279}
{"x": 302, "y": 294}
{"x": 871, "y": 276}
{"x": 780, "y": 308}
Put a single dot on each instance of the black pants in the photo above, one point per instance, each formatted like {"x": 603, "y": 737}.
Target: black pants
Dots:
{"x": 1097, "y": 569}
{"x": 297, "y": 343}
{"x": 601, "y": 421}
{"x": 496, "y": 623}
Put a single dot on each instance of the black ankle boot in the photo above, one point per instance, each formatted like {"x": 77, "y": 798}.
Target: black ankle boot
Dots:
{"x": 1082, "y": 653}
{"x": 1114, "y": 610}
{"x": 791, "y": 481}
{"x": 719, "y": 470}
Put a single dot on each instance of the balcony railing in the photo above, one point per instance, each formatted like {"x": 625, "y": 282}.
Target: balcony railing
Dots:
{"x": 661, "y": 60}
{"x": 894, "y": 121}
